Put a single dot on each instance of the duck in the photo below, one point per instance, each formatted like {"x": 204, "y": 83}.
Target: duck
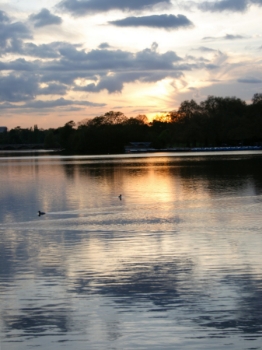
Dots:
{"x": 40, "y": 213}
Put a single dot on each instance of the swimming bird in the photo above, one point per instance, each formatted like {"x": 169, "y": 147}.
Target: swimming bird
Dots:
{"x": 40, "y": 213}
{"x": 120, "y": 196}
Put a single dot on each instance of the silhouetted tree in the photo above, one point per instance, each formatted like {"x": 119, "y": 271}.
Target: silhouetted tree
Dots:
{"x": 214, "y": 122}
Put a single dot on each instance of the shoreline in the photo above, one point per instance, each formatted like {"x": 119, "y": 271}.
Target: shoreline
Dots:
{"x": 194, "y": 149}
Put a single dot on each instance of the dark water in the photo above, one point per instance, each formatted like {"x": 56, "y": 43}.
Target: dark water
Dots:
{"x": 175, "y": 264}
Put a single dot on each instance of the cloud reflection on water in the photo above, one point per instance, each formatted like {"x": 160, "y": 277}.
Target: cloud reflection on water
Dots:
{"x": 182, "y": 245}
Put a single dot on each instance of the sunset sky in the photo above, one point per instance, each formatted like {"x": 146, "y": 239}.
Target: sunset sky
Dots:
{"x": 77, "y": 59}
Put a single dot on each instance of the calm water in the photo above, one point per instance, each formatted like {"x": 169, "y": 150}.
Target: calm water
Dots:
{"x": 175, "y": 264}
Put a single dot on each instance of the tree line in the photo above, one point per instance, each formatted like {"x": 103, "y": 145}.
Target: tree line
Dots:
{"x": 217, "y": 121}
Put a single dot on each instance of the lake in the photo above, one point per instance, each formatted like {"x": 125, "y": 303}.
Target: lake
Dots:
{"x": 175, "y": 263}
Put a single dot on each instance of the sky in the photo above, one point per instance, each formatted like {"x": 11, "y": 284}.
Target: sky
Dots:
{"x": 64, "y": 60}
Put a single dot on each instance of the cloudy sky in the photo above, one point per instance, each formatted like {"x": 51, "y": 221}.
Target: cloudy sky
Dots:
{"x": 65, "y": 60}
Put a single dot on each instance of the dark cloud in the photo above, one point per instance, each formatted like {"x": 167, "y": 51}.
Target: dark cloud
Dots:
{"x": 211, "y": 66}
{"x": 52, "y": 50}
{"x": 250, "y": 81}
{"x": 11, "y": 31}
{"x": 3, "y": 17}
{"x": 224, "y": 5}
{"x": 111, "y": 69}
{"x": 72, "y": 54}
{"x": 7, "y": 105}
{"x": 225, "y": 37}
{"x": 104, "y": 46}
{"x": 19, "y": 88}
{"x": 206, "y": 49}
{"x": 41, "y": 51}
{"x": 83, "y": 7}
{"x": 53, "y": 89}
{"x": 111, "y": 84}
{"x": 20, "y": 65}
{"x": 73, "y": 59}
{"x": 228, "y": 5}
{"x": 168, "y": 22}
{"x": 64, "y": 77}
{"x": 233, "y": 37}
{"x": 151, "y": 60}
{"x": 45, "y": 18}
{"x": 61, "y": 102}
{"x": 117, "y": 60}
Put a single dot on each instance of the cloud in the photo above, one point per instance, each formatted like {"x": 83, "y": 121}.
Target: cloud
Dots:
{"x": 20, "y": 65}
{"x": 25, "y": 87}
{"x": 225, "y": 37}
{"x": 72, "y": 54}
{"x": 224, "y": 5}
{"x": 149, "y": 59}
{"x": 41, "y": 51}
{"x": 168, "y": 22}
{"x": 191, "y": 58}
{"x": 116, "y": 83}
{"x": 205, "y": 49}
{"x": 233, "y": 37}
{"x": 250, "y": 80}
{"x": 3, "y": 17}
{"x": 111, "y": 84}
{"x": 51, "y": 50}
{"x": 117, "y": 60}
{"x": 104, "y": 46}
{"x": 17, "y": 88}
{"x": 146, "y": 65}
{"x": 9, "y": 32}
{"x": 104, "y": 69}
{"x": 61, "y": 65}
{"x": 53, "y": 89}
{"x": 45, "y": 18}
{"x": 61, "y": 102}
{"x": 65, "y": 77}
{"x": 83, "y": 7}
{"x": 228, "y": 5}
{"x": 107, "y": 69}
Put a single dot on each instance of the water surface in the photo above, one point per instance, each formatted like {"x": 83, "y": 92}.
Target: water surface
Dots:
{"x": 175, "y": 264}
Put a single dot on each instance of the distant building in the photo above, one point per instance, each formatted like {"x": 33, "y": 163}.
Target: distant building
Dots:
{"x": 3, "y": 129}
